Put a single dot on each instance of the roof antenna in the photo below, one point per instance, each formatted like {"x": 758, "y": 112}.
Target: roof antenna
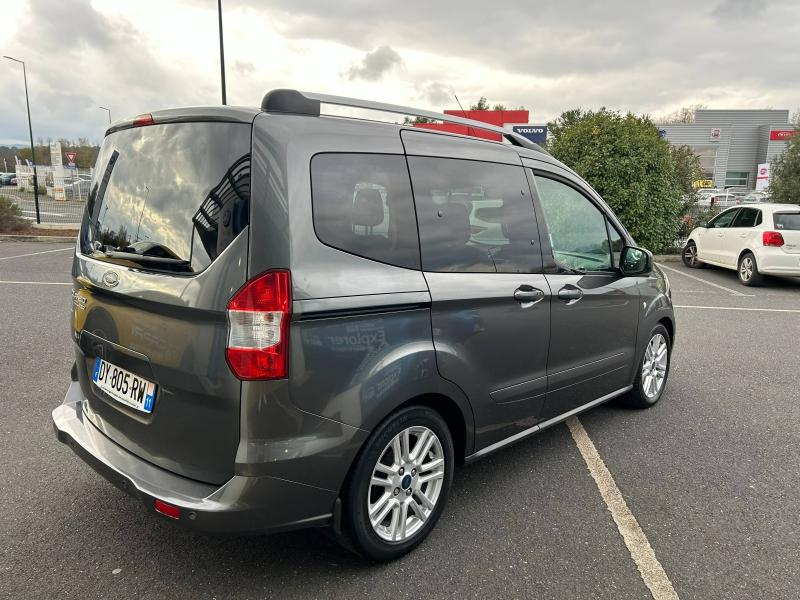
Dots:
{"x": 463, "y": 111}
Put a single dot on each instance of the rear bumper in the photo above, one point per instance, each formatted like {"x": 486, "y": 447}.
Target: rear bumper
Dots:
{"x": 775, "y": 261}
{"x": 260, "y": 504}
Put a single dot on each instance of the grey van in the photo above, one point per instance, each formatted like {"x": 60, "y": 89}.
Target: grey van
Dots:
{"x": 285, "y": 320}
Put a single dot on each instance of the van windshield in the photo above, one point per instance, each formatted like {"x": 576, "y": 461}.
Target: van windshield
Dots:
{"x": 168, "y": 197}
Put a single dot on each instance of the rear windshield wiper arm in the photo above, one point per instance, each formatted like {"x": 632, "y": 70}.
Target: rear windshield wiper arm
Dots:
{"x": 143, "y": 258}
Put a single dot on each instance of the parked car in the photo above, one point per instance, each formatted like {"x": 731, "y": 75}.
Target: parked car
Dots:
{"x": 755, "y": 197}
{"x": 278, "y": 331}
{"x": 7, "y": 178}
{"x": 77, "y": 187}
{"x": 755, "y": 240}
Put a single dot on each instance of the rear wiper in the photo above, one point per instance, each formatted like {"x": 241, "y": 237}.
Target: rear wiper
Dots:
{"x": 143, "y": 258}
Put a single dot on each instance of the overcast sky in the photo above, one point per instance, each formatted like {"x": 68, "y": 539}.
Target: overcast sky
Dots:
{"x": 644, "y": 56}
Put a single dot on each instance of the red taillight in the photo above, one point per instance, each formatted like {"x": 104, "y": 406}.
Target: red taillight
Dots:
{"x": 772, "y": 238}
{"x": 173, "y": 512}
{"x": 143, "y": 120}
{"x": 258, "y": 327}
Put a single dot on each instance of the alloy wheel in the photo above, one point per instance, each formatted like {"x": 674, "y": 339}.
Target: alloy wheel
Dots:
{"x": 654, "y": 366}
{"x": 406, "y": 484}
{"x": 690, "y": 254}
{"x": 746, "y": 268}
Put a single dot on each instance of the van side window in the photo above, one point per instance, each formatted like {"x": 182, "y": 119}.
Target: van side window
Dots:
{"x": 577, "y": 228}
{"x": 362, "y": 204}
{"x": 474, "y": 216}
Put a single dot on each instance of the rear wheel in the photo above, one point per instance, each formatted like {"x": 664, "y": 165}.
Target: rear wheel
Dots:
{"x": 651, "y": 378}
{"x": 748, "y": 270}
{"x": 399, "y": 484}
{"x": 690, "y": 256}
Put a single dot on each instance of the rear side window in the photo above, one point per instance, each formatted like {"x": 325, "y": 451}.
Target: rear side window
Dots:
{"x": 168, "y": 197}
{"x": 747, "y": 217}
{"x": 362, "y": 204}
{"x": 474, "y": 217}
{"x": 787, "y": 221}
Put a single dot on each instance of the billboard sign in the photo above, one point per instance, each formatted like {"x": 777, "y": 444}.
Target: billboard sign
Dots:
{"x": 762, "y": 177}
{"x": 535, "y": 133}
{"x": 781, "y": 135}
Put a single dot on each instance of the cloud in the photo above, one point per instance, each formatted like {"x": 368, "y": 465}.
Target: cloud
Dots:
{"x": 731, "y": 10}
{"x": 647, "y": 57}
{"x": 375, "y": 64}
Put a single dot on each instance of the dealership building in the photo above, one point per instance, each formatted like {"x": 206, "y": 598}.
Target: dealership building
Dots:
{"x": 735, "y": 146}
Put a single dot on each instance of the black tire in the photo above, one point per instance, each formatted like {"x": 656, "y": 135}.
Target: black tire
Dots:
{"x": 747, "y": 269}
{"x": 689, "y": 256}
{"x": 360, "y": 534}
{"x": 638, "y": 396}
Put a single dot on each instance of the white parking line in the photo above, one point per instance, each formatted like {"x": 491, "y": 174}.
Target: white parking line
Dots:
{"x": 35, "y": 253}
{"x": 35, "y": 282}
{"x": 777, "y": 310}
{"x": 701, "y": 280}
{"x": 653, "y": 574}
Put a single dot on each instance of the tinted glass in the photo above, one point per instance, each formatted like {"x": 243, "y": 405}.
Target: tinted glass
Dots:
{"x": 577, "y": 228}
{"x": 722, "y": 219}
{"x": 178, "y": 193}
{"x": 747, "y": 217}
{"x": 363, "y": 205}
{"x": 787, "y": 221}
{"x": 474, "y": 217}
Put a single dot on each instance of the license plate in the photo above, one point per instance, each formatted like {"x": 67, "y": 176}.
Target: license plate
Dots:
{"x": 124, "y": 386}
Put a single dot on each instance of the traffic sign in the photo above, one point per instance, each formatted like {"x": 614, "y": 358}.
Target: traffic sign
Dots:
{"x": 71, "y": 156}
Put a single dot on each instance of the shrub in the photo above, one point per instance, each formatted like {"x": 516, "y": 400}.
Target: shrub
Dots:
{"x": 626, "y": 161}
{"x": 10, "y": 216}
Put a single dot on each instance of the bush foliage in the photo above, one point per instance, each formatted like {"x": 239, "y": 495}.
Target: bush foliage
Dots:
{"x": 630, "y": 166}
{"x": 10, "y": 216}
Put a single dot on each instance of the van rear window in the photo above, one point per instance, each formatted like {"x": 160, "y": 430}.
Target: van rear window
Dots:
{"x": 787, "y": 220}
{"x": 168, "y": 197}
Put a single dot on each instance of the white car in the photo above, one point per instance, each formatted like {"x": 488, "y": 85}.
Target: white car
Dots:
{"x": 756, "y": 240}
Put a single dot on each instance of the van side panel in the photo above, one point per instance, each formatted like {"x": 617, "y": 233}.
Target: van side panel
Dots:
{"x": 360, "y": 338}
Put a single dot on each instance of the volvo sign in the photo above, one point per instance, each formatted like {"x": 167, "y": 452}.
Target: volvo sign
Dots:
{"x": 535, "y": 133}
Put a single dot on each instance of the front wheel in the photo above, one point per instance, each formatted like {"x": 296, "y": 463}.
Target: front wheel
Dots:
{"x": 399, "y": 484}
{"x": 690, "y": 256}
{"x": 653, "y": 370}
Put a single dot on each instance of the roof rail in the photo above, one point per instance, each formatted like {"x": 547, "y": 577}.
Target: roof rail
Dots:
{"x": 308, "y": 103}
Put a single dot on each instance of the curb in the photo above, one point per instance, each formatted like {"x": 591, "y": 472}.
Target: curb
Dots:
{"x": 57, "y": 226}
{"x": 55, "y": 239}
{"x": 662, "y": 258}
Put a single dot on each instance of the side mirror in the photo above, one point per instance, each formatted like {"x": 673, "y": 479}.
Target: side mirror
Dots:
{"x": 635, "y": 261}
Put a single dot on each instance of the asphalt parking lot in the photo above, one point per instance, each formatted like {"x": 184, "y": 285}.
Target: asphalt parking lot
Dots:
{"x": 711, "y": 474}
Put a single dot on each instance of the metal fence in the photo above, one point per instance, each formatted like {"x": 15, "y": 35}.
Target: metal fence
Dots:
{"x": 62, "y": 193}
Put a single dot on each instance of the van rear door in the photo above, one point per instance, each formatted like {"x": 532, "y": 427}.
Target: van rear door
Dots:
{"x": 162, "y": 248}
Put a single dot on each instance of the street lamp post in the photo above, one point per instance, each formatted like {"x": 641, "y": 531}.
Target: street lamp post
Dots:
{"x": 221, "y": 53}
{"x": 108, "y": 110}
{"x": 30, "y": 131}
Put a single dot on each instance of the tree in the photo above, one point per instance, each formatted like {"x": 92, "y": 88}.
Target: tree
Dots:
{"x": 481, "y": 105}
{"x": 687, "y": 168}
{"x": 685, "y": 114}
{"x": 625, "y": 160}
{"x": 784, "y": 185}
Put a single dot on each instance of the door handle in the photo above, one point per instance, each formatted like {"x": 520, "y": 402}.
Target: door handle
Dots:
{"x": 570, "y": 294}
{"x": 527, "y": 295}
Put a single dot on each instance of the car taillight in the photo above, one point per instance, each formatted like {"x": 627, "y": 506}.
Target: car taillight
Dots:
{"x": 258, "y": 327}
{"x": 142, "y": 120}
{"x": 772, "y": 238}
